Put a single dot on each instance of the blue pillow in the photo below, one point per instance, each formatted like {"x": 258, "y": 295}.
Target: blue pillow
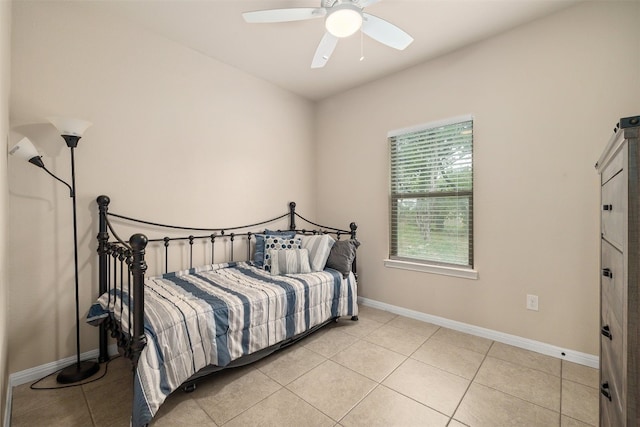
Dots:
{"x": 258, "y": 254}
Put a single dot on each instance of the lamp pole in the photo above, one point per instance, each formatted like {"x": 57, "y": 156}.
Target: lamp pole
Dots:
{"x": 75, "y": 250}
{"x": 80, "y": 370}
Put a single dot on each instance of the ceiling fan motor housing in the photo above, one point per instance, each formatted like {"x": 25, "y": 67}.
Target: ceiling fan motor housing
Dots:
{"x": 343, "y": 19}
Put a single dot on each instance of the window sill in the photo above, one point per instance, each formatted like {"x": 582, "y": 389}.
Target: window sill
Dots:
{"x": 464, "y": 273}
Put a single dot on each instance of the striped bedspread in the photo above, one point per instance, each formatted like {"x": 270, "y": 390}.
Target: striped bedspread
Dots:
{"x": 216, "y": 314}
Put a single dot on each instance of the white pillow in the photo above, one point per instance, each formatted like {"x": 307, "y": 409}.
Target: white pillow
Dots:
{"x": 289, "y": 261}
{"x": 319, "y": 247}
{"x": 278, "y": 242}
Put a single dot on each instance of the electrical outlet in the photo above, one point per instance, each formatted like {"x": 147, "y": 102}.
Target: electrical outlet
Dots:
{"x": 532, "y": 302}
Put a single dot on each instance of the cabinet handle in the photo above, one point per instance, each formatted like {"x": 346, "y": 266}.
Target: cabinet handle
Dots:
{"x": 604, "y": 390}
{"x": 607, "y": 207}
{"x": 606, "y": 272}
{"x": 606, "y": 332}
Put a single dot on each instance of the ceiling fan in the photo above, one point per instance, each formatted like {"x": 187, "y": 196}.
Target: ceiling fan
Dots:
{"x": 343, "y": 18}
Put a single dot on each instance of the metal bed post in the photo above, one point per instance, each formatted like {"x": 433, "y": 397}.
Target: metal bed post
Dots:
{"x": 292, "y": 215}
{"x": 191, "y": 251}
{"x": 103, "y": 239}
{"x": 166, "y": 255}
{"x": 138, "y": 268}
{"x": 213, "y": 242}
{"x": 353, "y": 226}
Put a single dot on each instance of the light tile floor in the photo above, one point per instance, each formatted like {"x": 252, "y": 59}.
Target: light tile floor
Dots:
{"x": 384, "y": 370}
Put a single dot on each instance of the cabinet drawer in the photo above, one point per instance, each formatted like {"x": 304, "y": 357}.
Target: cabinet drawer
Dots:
{"x": 612, "y": 402}
{"x": 614, "y": 210}
{"x": 611, "y": 363}
{"x": 612, "y": 280}
{"x": 615, "y": 165}
{"x": 609, "y": 415}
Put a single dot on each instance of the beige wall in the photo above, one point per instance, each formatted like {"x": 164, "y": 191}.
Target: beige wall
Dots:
{"x": 5, "y": 73}
{"x": 545, "y": 97}
{"x": 199, "y": 142}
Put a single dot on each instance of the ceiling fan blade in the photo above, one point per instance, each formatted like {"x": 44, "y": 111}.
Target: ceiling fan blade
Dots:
{"x": 324, "y": 51}
{"x": 365, "y": 3}
{"x": 284, "y": 15}
{"x": 385, "y": 32}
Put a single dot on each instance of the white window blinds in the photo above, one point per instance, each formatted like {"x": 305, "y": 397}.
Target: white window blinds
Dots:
{"x": 432, "y": 193}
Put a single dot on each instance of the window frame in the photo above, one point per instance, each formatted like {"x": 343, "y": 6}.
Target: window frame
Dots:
{"x": 426, "y": 265}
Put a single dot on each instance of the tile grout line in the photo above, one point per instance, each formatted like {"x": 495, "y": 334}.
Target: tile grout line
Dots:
{"x": 534, "y": 368}
{"x": 285, "y": 387}
{"x": 378, "y": 383}
{"x": 252, "y": 406}
{"x": 559, "y": 377}
{"x": 396, "y": 368}
{"x": 522, "y": 399}
{"x": 309, "y": 403}
{"x": 471, "y": 381}
{"x": 202, "y": 409}
{"x": 86, "y": 404}
{"x": 561, "y": 390}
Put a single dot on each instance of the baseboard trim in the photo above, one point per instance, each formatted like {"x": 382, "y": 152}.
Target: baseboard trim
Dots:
{"x": 514, "y": 340}
{"x": 33, "y": 374}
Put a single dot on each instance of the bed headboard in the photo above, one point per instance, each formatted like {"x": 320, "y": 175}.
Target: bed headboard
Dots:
{"x": 213, "y": 241}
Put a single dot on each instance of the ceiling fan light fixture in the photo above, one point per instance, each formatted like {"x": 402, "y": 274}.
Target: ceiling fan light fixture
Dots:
{"x": 343, "y": 20}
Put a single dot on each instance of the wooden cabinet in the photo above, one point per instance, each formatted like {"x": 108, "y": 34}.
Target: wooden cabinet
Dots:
{"x": 620, "y": 277}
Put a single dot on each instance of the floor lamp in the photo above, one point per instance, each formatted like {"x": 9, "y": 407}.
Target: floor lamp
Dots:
{"x": 71, "y": 131}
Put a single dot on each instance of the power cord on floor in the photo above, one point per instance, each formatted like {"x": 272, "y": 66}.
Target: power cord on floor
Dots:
{"x": 106, "y": 368}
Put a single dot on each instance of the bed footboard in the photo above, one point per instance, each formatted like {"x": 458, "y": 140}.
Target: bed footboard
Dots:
{"x": 115, "y": 261}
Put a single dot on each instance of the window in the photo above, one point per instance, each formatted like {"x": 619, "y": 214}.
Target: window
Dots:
{"x": 432, "y": 193}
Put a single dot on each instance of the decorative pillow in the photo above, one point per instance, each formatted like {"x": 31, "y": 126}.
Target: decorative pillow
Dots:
{"x": 289, "y": 261}
{"x": 319, "y": 246}
{"x": 278, "y": 243}
{"x": 342, "y": 255}
{"x": 258, "y": 253}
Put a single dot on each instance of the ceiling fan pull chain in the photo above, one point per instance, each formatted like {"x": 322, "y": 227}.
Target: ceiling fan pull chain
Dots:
{"x": 361, "y": 46}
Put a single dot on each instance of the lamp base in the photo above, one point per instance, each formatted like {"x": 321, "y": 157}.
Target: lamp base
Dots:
{"x": 78, "y": 372}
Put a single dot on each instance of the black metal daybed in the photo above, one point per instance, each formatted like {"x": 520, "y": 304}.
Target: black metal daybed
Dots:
{"x": 180, "y": 326}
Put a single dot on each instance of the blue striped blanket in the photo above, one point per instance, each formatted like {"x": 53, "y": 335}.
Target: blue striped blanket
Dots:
{"x": 215, "y": 314}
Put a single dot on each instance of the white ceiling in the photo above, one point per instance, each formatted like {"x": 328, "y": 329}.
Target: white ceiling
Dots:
{"x": 281, "y": 53}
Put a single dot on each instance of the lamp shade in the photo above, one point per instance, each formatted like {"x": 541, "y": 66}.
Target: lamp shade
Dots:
{"x": 70, "y": 127}
{"x": 344, "y": 20}
{"x": 24, "y": 149}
